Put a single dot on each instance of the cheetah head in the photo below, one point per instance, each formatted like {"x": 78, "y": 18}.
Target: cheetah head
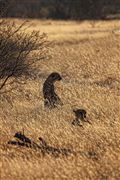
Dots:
{"x": 55, "y": 76}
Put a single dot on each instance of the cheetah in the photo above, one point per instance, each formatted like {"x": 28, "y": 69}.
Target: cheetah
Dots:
{"x": 80, "y": 115}
{"x": 51, "y": 99}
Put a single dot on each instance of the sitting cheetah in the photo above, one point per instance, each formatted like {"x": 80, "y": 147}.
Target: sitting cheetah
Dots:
{"x": 51, "y": 99}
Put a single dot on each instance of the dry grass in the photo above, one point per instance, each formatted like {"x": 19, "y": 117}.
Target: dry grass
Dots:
{"x": 87, "y": 56}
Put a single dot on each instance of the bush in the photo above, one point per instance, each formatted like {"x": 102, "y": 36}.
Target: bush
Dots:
{"x": 19, "y": 50}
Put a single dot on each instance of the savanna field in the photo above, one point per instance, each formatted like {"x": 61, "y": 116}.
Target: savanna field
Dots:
{"x": 87, "y": 55}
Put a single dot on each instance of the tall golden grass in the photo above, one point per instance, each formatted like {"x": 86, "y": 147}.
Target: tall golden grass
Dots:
{"x": 87, "y": 56}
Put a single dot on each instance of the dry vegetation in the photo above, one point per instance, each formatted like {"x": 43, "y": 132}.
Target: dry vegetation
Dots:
{"x": 87, "y": 56}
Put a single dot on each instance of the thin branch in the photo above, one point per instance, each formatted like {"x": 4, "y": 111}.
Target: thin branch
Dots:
{"x": 6, "y": 79}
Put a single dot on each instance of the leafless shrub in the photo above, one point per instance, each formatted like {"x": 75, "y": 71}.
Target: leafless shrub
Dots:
{"x": 19, "y": 50}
